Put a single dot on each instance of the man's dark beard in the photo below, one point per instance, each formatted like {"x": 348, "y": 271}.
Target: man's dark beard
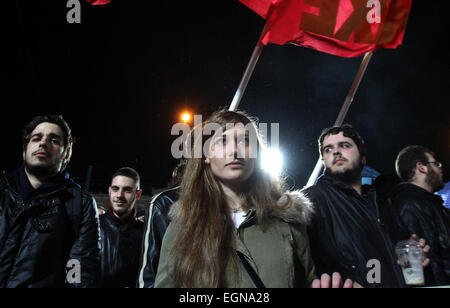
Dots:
{"x": 41, "y": 172}
{"x": 350, "y": 176}
{"x": 434, "y": 181}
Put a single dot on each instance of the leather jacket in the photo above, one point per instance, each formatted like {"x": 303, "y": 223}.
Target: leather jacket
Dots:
{"x": 347, "y": 232}
{"x": 422, "y": 213}
{"x": 120, "y": 250}
{"x": 46, "y": 232}
{"x": 156, "y": 223}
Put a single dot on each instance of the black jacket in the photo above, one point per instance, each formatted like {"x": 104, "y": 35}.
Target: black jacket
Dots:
{"x": 423, "y": 213}
{"x": 120, "y": 250}
{"x": 347, "y": 232}
{"x": 47, "y": 234}
{"x": 156, "y": 223}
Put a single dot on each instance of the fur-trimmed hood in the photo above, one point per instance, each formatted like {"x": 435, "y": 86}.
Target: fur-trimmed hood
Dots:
{"x": 294, "y": 207}
{"x": 291, "y": 207}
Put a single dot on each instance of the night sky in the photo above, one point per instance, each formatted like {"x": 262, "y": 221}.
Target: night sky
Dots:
{"x": 122, "y": 77}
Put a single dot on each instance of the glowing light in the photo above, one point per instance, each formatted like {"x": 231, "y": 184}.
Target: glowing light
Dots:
{"x": 186, "y": 117}
{"x": 272, "y": 161}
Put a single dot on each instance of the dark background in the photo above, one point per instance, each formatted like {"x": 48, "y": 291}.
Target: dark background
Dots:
{"x": 122, "y": 77}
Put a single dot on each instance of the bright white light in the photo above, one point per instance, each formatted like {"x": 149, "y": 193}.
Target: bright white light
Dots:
{"x": 186, "y": 117}
{"x": 272, "y": 161}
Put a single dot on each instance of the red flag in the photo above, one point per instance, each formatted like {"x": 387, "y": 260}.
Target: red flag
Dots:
{"x": 98, "y": 2}
{"x": 261, "y": 7}
{"x": 346, "y": 28}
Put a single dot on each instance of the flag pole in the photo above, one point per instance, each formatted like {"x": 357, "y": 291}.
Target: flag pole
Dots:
{"x": 248, "y": 71}
{"x": 345, "y": 107}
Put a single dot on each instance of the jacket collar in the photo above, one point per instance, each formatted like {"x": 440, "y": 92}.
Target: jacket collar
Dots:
{"x": 118, "y": 221}
{"x": 250, "y": 218}
{"x": 328, "y": 178}
{"x": 409, "y": 188}
{"x": 17, "y": 181}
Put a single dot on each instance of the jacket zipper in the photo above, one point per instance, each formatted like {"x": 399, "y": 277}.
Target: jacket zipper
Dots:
{"x": 116, "y": 254}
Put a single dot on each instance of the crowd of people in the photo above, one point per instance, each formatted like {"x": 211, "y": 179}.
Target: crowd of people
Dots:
{"x": 223, "y": 222}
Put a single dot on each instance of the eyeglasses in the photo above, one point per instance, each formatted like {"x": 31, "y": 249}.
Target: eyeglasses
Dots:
{"x": 438, "y": 164}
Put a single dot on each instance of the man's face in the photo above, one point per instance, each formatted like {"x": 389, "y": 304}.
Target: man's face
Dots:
{"x": 341, "y": 155}
{"x": 434, "y": 174}
{"x": 123, "y": 194}
{"x": 45, "y": 152}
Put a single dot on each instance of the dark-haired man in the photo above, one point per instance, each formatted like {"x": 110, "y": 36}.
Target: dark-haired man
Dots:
{"x": 121, "y": 231}
{"x": 420, "y": 211}
{"x": 49, "y": 232}
{"x": 347, "y": 234}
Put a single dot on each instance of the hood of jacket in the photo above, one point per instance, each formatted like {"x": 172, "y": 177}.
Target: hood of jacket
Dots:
{"x": 291, "y": 207}
{"x": 294, "y": 207}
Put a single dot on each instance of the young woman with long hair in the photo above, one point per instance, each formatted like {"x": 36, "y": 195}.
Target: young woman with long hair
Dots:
{"x": 230, "y": 206}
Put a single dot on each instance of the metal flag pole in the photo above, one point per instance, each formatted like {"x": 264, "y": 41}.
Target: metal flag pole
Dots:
{"x": 340, "y": 119}
{"x": 249, "y": 71}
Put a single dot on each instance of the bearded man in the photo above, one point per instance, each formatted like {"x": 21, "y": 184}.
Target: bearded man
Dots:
{"x": 422, "y": 212}
{"x": 348, "y": 234}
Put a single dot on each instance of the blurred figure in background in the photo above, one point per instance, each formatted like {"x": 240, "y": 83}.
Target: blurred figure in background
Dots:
{"x": 177, "y": 174}
{"x": 420, "y": 211}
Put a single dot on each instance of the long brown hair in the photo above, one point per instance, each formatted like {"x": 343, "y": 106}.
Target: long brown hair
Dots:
{"x": 203, "y": 247}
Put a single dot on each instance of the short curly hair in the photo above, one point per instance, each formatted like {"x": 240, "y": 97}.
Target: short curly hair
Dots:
{"x": 54, "y": 119}
{"x": 348, "y": 131}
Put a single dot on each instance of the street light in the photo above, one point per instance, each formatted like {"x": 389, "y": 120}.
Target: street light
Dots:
{"x": 186, "y": 117}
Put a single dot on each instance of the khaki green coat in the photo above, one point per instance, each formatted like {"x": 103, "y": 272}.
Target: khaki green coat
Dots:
{"x": 280, "y": 254}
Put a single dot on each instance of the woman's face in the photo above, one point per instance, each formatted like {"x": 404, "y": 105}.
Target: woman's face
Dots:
{"x": 229, "y": 155}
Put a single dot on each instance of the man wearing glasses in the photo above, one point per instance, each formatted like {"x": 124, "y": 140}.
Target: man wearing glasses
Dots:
{"x": 121, "y": 232}
{"x": 420, "y": 211}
